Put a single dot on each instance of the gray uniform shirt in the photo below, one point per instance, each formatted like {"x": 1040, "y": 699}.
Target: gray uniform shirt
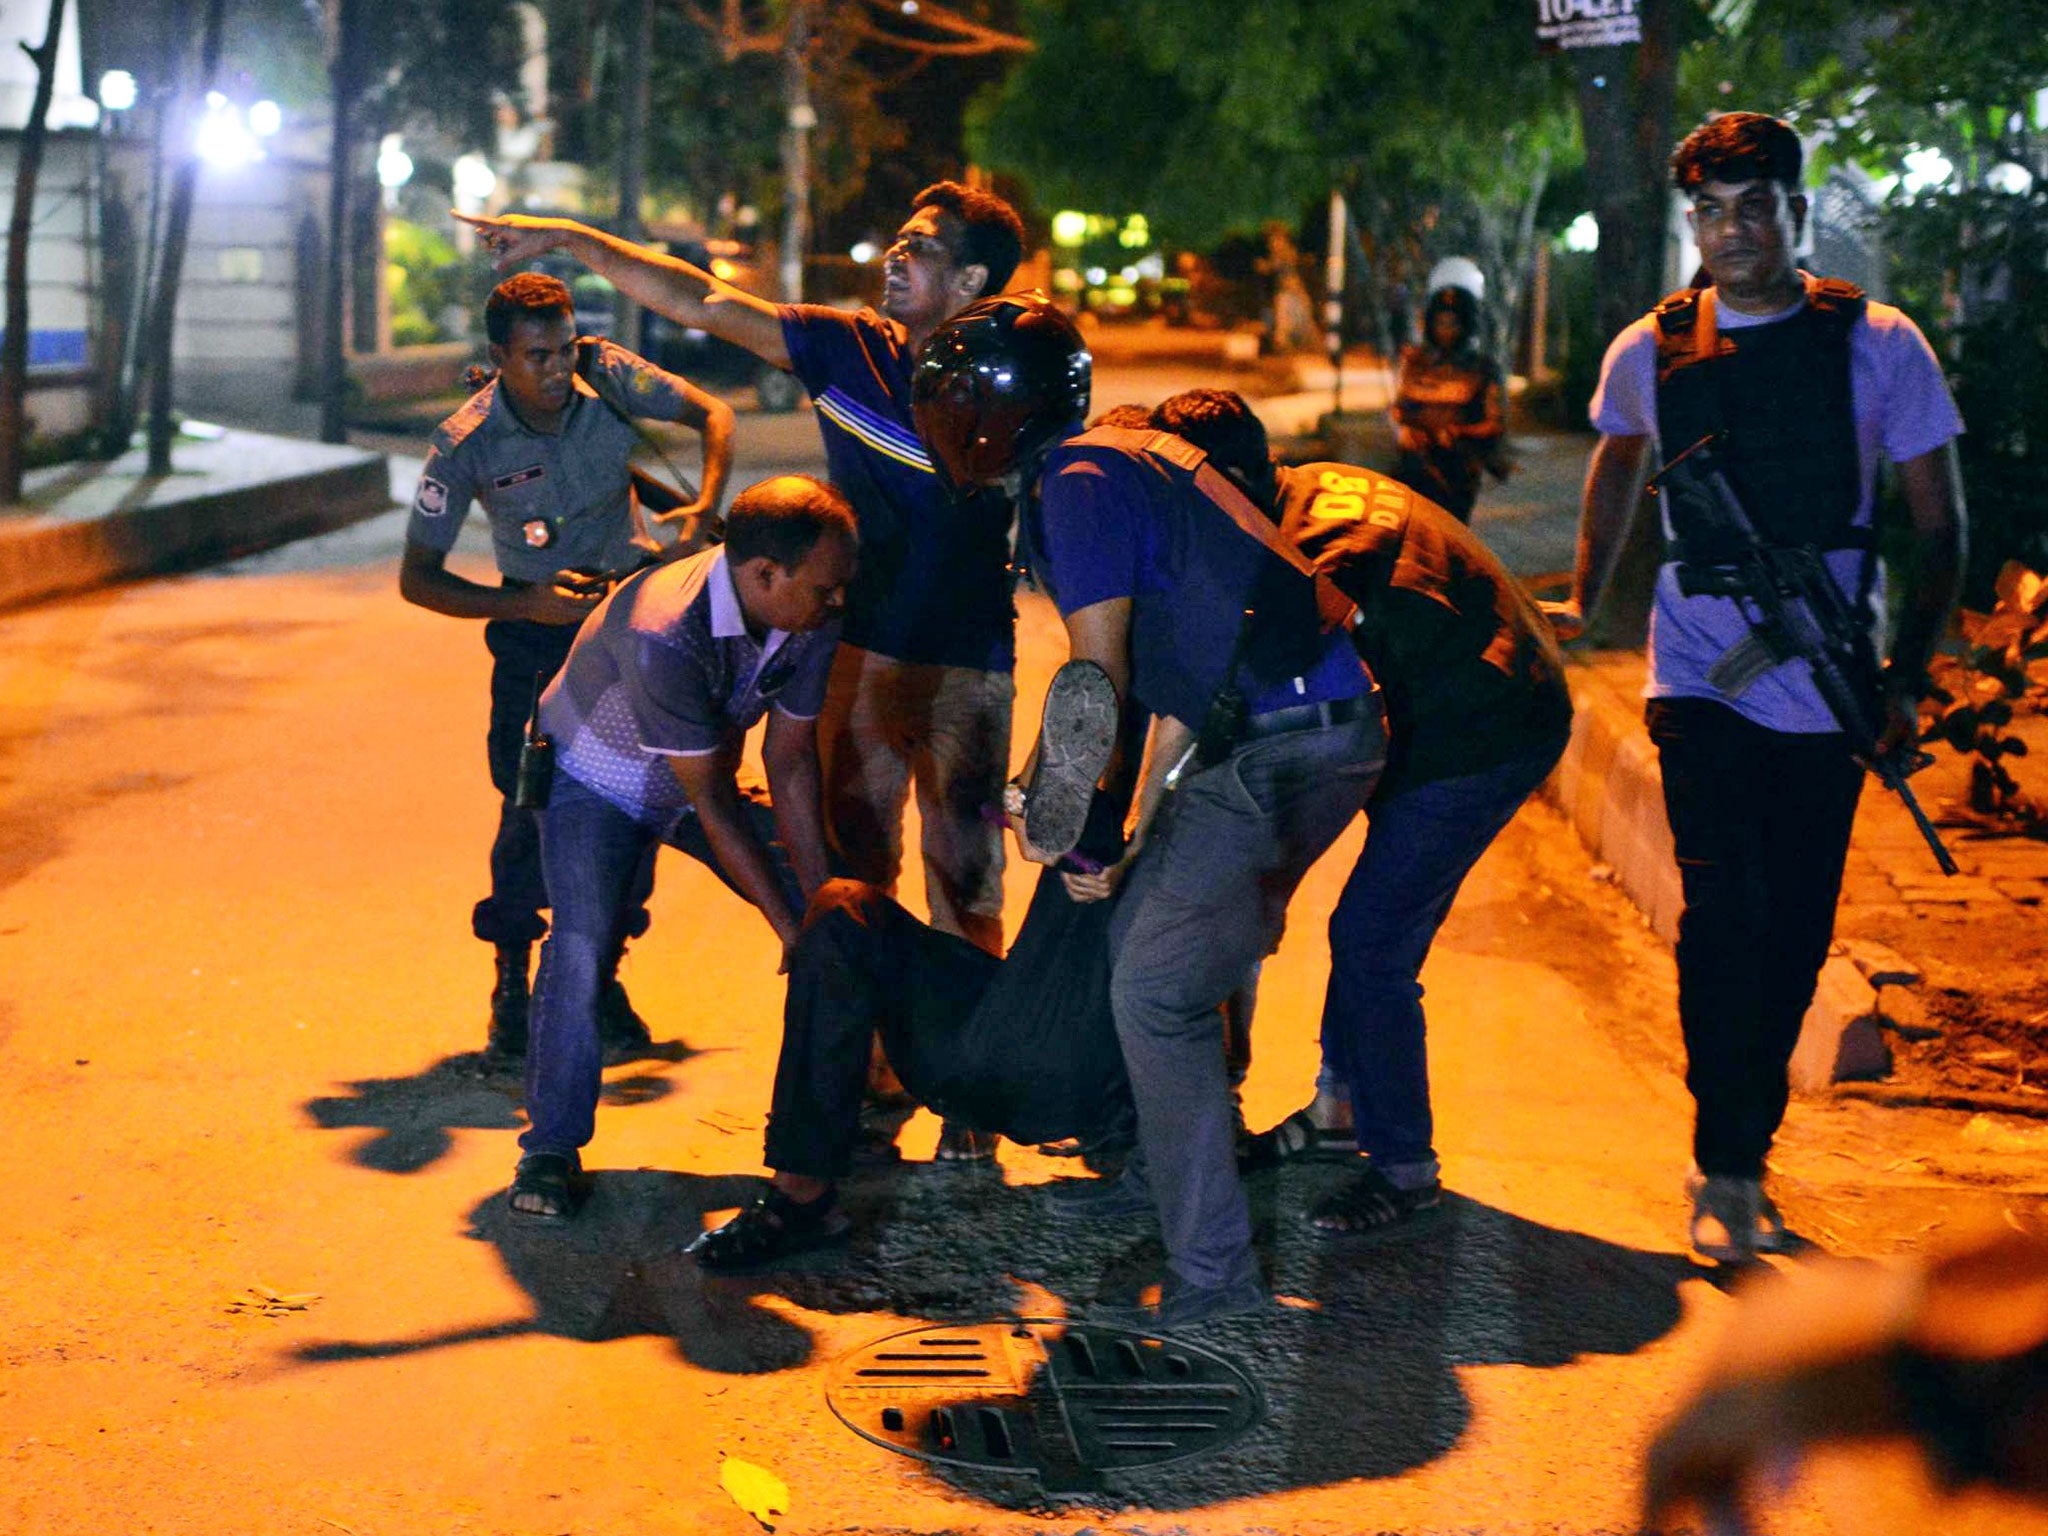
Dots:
{"x": 556, "y": 501}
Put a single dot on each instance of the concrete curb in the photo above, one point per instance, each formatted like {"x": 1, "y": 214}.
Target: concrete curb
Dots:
{"x": 1609, "y": 787}
{"x": 161, "y": 527}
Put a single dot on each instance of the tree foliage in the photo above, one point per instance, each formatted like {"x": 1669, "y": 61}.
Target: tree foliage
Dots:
{"x": 1439, "y": 120}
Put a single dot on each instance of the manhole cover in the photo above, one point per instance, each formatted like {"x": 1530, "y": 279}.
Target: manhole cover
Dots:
{"x": 1057, "y": 1399}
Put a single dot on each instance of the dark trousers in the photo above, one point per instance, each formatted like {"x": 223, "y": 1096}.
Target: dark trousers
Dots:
{"x": 521, "y": 650}
{"x": 1204, "y": 901}
{"x": 594, "y": 854}
{"x": 1760, "y": 820}
{"x": 865, "y": 967}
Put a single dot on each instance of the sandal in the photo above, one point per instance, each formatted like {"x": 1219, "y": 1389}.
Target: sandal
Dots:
{"x": 1733, "y": 1220}
{"x": 1076, "y": 740}
{"x": 1369, "y": 1203}
{"x": 962, "y": 1143}
{"x": 770, "y": 1230}
{"x": 552, "y": 1185}
{"x": 1297, "y": 1139}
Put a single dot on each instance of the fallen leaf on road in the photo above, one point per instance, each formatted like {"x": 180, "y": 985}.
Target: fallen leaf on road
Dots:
{"x": 263, "y": 1301}
{"x": 755, "y": 1489}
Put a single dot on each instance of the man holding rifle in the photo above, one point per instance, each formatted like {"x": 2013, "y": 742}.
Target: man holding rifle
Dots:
{"x": 1796, "y": 386}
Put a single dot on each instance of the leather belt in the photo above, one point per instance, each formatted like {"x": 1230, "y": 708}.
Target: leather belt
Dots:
{"x": 1305, "y": 717}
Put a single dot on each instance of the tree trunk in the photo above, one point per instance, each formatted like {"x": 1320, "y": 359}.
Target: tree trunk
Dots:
{"x": 1625, "y": 105}
{"x": 342, "y": 77}
{"x": 163, "y": 315}
{"x": 14, "y": 347}
{"x": 633, "y": 156}
{"x": 796, "y": 150}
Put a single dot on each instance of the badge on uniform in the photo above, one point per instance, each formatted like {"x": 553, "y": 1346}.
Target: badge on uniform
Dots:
{"x": 432, "y": 498}
{"x": 539, "y": 532}
{"x": 518, "y": 477}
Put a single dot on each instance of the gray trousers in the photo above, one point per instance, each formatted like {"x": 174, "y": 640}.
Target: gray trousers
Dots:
{"x": 1208, "y": 898}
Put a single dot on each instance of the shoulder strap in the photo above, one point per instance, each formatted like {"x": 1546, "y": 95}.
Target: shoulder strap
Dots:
{"x": 599, "y": 382}
{"x": 1218, "y": 488}
{"x": 1687, "y": 332}
{"x": 1837, "y": 302}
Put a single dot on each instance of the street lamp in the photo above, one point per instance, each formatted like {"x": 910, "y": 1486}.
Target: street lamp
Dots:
{"x": 394, "y": 165}
{"x": 117, "y": 90}
{"x": 222, "y": 139}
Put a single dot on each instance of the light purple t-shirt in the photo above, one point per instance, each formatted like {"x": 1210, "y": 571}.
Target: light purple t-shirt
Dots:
{"x": 1903, "y": 410}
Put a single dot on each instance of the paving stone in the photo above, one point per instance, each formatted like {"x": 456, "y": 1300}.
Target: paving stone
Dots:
{"x": 1881, "y": 965}
{"x": 1955, "y": 889}
{"x": 2028, "y": 893}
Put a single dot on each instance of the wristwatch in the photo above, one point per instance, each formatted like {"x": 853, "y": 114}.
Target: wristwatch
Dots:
{"x": 1013, "y": 800}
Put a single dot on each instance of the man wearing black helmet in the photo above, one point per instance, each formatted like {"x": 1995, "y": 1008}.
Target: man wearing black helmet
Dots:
{"x": 1268, "y": 743}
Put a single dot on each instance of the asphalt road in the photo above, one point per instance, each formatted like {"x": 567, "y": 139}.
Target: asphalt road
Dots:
{"x": 243, "y": 815}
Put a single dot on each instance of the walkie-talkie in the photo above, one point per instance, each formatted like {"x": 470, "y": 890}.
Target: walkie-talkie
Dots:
{"x": 536, "y": 758}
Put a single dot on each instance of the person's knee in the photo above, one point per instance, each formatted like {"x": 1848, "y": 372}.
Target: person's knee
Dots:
{"x": 1152, "y": 1006}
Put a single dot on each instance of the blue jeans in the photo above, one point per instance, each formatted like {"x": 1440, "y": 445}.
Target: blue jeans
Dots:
{"x": 1205, "y": 900}
{"x": 1419, "y": 846}
{"x": 591, "y": 852}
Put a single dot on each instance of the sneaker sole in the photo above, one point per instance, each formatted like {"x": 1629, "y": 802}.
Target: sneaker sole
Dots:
{"x": 1076, "y": 739}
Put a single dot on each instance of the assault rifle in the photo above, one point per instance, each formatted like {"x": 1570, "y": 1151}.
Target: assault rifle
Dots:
{"x": 1795, "y": 610}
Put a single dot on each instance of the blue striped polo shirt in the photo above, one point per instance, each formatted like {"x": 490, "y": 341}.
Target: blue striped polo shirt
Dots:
{"x": 934, "y": 582}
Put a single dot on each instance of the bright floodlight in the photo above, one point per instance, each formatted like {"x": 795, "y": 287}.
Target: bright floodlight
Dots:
{"x": 222, "y": 140}
{"x": 863, "y": 253}
{"x": 1926, "y": 168}
{"x": 475, "y": 181}
{"x": 1582, "y": 234}
{"x": 1069, "y": 227}
{"x": 117, "y": 90}
{"x": 2011, "y": 178}
{"x": 394, "y": 165}
{"x": 265, "y": 118}
{"x": 215, "y": 101}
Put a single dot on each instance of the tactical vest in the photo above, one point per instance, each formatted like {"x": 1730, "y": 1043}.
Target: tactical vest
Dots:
{"x": 1779, "y": 396}
{"x": 1261, "y": 611}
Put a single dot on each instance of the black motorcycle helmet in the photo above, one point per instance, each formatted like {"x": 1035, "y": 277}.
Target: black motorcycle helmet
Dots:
{"x": 997, "y": 383}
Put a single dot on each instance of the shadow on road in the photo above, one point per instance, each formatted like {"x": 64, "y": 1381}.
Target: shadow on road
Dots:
{"x": 413, "y": 1116}
{"x": 1360, "y": 1368}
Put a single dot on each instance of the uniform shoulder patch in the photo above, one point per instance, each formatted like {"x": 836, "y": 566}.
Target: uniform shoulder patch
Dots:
{"x": 431, "y": 499}
{"x": 451, "y": 434}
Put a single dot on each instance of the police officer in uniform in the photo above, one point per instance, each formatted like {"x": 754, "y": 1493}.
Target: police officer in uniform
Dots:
{"x": 546, "y": 449}
{"x": 1807, "y": 384}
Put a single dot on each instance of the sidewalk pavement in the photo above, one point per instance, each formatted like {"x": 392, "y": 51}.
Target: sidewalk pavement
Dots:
{"x": 85, "y": 525}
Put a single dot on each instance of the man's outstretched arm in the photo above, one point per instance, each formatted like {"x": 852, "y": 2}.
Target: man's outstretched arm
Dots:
{"x": 667, "y": 285}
